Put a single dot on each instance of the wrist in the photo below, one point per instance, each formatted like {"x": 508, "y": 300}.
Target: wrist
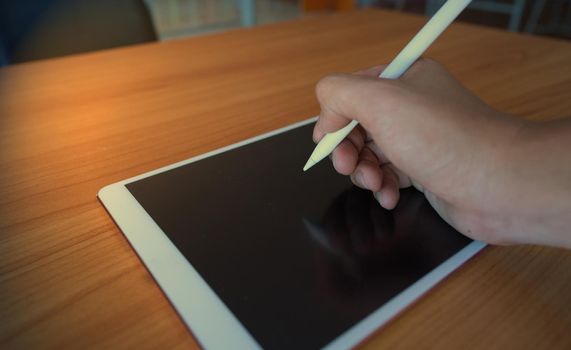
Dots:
{"x": 537, "y": 183}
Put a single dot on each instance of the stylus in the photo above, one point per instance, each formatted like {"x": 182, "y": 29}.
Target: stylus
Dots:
{"x": 411, "y": 52}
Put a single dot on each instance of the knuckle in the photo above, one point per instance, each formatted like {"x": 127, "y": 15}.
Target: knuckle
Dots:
{"x": 432, "y": 65}
{"x": 423, "y": 66}
{"x": 325, "y": 85}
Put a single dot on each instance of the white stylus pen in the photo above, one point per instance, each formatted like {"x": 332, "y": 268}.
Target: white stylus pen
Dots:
{"x": 411, "y": 52}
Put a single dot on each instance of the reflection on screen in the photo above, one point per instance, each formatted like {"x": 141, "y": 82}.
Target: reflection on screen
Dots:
{"x": 298, "y": 257}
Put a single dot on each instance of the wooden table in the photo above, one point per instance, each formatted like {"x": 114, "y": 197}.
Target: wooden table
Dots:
{"x": 69, "y": 126}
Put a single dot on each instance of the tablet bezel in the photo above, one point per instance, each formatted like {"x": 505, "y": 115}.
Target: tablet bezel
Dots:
{"x": 205, "y": 314}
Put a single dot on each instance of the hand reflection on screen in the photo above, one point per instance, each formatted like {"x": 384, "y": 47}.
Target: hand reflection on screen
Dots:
{"x": 363, "y": 248}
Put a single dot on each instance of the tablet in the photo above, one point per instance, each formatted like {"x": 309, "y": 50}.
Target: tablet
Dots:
{"x": 253, "y": 252}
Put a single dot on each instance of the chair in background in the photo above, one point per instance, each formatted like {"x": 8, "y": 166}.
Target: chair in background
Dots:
{"x": 327, "y": 5}
{"x": 248, "y": 12}
{"x": 39, "y": 29}
{"x": 177, "y": 18}
{"x": 514, "y": 9}
{"x": 398, "y": 4}
{"x": 559, "y": 22}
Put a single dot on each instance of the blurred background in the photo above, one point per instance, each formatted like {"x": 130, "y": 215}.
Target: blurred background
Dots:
{"x": 40, "y": 29}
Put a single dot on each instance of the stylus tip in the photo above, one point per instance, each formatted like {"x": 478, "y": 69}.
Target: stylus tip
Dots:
{"x": 309, "y": 164}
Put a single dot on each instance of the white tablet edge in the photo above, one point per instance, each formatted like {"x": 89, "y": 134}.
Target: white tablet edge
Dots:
{"x": 209, "y": 319}
{"x": 359, "y": 332}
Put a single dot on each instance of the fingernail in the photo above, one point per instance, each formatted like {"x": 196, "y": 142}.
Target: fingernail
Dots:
{"x": 317, "y": 136}
{"x": 377, "y": 196}
{"x": 360, "y": 179}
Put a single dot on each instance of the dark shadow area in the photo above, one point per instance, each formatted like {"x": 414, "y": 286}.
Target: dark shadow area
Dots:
{"x": 38, "y": 29}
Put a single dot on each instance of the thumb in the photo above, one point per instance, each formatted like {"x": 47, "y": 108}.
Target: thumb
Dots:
{"x": 346, "y": 97}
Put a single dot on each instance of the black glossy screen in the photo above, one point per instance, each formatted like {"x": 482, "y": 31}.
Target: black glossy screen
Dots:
{"x": 298, "y": 257}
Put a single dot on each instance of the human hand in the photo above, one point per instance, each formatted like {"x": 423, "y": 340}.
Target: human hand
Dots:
{"x": 428, "y": 131}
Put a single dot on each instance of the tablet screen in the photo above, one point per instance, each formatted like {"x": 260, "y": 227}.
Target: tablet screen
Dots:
{"x": 298, "y": 257}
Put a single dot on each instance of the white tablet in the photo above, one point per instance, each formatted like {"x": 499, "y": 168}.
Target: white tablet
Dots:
{"x": 254, "y": 253}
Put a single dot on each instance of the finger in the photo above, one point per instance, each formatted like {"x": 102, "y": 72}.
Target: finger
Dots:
{"x": 424, "y": 72}
{"x": 377, "y": 151}
{"x": 328, "y": 121}
{"x": 368, "y": 174}
{"x": 346, "y": 154}
{"x": 388, "y": 195}
{"x": 358, "y": 136}
{"x": 344, "y": 97}
{"x": 402, "y": 179}
{"x": 345, "y": 157}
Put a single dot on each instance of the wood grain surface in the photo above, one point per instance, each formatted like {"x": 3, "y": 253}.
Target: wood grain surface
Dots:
{"x": 69, "y": 126}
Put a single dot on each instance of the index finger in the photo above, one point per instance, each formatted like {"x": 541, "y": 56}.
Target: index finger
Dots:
{"x": 340, "y": 97}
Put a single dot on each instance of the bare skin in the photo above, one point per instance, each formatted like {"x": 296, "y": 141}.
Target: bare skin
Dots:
{"x": 492, "y": 176}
